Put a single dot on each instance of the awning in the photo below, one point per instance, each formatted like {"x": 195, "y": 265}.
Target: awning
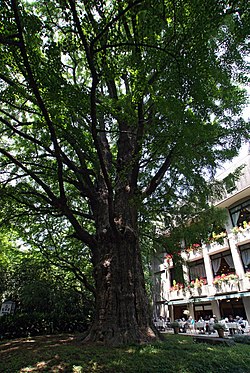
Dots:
{"x": 227, "y": 296}
{"x": 246, "y": 294}
{"x": 175, "y": 302}
{"x": 200, "y": 300}
{"x": 190, "y": 300}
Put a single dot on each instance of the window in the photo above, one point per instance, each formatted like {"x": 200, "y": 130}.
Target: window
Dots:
{"x": 197, "y": 270}
{"x": 230, "y": 183}
{"x": 176, "y": 274}
{"x": 203, "y": 311}
{"x": 240, "y": 213}
{"x": 222, "y": 263}
{"x": 245, "y": 256}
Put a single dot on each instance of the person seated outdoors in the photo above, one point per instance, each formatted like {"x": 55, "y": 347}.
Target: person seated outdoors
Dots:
{"x": 207, "y": 326}
{"x": 190, "y": 323}
{"x": 211, "y": 324}
{"x": 200, "y": 325}
{"x": 231, "y": 320}
{"x": 242, "y": 324}
{"x": 184, "y": 325}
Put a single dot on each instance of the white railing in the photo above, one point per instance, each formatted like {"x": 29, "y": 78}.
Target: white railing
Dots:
{"x": 218, "y": 245}
{"x": 227, "y": 287}
{"x": 243, "y": 235}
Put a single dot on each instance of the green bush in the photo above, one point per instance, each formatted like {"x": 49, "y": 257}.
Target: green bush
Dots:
{"x": 241, "y": 338}
{"x": 23, "y": 325}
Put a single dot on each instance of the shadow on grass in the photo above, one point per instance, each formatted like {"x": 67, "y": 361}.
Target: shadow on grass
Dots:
{"x": 67, "y": 353}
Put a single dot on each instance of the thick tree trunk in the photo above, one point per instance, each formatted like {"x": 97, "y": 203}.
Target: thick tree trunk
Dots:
{"x": 122, "y": 309}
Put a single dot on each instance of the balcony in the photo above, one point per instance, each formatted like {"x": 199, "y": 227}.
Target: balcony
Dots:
{"x": 177, "y": 294}
{"x": 188, "y": 292}
{"x": 194, "y": 254}
{"x": 240, "y": 235}
{"x": 226, "y": 287}
{"x": 198, "y": 291}
{"x": 246, "y": 282}
{"x": 216, "y": 246}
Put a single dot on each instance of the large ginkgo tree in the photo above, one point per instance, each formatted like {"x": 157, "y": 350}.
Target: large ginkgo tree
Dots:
{"x": 110, "y": 112}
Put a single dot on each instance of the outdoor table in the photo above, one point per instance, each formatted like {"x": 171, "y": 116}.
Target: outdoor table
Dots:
{"x": 232, "y": 326}
{"x": 199, "y": 326}
{"x": 160, "y": 324}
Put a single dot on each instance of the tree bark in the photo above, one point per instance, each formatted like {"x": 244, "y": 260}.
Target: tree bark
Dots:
{"x": 122, "y": 310}
{"x": 123, "y": 313}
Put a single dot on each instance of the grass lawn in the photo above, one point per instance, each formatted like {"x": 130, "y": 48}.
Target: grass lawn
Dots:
{"x": 66, "y": 353}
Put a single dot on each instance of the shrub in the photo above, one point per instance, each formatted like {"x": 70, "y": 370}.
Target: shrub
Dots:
{"x": 219, "y": 326}
{"x": 174, "y": 324}
{"x": 241, "y": 338}
{"x": 23, "y": 325}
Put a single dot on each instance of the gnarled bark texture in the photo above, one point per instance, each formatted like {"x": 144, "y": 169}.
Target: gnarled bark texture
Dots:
{"x": 122, "y": 308}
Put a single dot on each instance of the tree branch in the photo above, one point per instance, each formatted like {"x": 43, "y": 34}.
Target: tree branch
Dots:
{"x": 90, "y": 59}
{"x": 115, "y": 19}
{"x": 39, "y": 99}
{"x": 156, "y": 179}
{"x": 54, "y": 201}
{"x": 22, "y": 134}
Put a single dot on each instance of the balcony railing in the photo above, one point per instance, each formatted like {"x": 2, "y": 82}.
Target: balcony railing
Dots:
{"x": 240, "y": 235}
{"x": 218, "y": 245}
{"x": 233, "y": 286}
{"x": 198, "y": 291}
{"x": 188, "y": 292}
{"x": 177, "y": 294}
{"x": 227, "y": 287}
{"x": 246, "y": 283}
{"x": 193, "y": 254}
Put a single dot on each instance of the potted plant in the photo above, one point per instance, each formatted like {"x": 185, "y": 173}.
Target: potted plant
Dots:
{"x": 220, "y": 329}
{"x": 176, "y": 326}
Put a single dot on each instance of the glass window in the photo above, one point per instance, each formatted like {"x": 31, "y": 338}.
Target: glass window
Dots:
{"x": 222, "y": 263}
{"x": 197, "y": 270}
{"x": 240, "y": 213}
{"x": 245, "y": 256}
{"x": 176, "y": 274}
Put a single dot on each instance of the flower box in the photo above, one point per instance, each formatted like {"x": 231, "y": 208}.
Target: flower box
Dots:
{"x": 227, "y": 287}
{"x": 241, "y": 233}
{"x": 176, "y": 294}
{"x": 226, "y": 282}
{"x": 199, "y": 291}
{"x": 216, "y": 245}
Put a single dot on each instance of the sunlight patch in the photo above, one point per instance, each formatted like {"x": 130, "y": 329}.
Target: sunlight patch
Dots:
{"x": 39, "y": 365}
{"x": 30, "y": 341}
{"x": 183, "y": 342}
{"x": 149, "y": 350}
{"x": 42, "y": 364}
{"x": 131, "y": 351}
{"x": 77, "y": 369}
{"x": 210, "y": 348}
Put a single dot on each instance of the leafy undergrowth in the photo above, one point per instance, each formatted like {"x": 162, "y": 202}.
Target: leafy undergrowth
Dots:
{"x": 67, "y": 353}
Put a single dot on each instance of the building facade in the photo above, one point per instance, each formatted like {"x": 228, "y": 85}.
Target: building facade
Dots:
{"x": 216, "y": 275}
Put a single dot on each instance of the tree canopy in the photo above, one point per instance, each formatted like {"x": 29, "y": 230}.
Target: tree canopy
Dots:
{"x": 113, "y": 112}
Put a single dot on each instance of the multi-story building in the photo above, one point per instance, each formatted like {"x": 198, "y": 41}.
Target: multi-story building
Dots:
{"x": 216, "y": 275}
